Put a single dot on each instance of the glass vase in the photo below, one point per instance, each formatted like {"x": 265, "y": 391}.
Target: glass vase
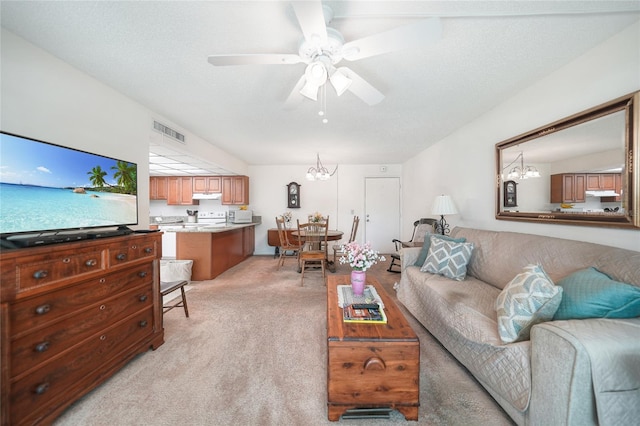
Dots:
{"x": 358, "y": 280}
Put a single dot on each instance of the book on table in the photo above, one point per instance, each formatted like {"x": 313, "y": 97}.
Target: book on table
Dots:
{"x": 364, "y": 314}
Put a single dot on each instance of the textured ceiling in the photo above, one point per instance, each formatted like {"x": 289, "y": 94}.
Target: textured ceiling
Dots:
{"x": 156, "y": 53}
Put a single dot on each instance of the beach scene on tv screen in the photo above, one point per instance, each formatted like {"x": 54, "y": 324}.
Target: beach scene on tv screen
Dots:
{"x": 50, "y": 187}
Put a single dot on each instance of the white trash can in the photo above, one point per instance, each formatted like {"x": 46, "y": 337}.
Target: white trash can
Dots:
{"x": 175, "y": 270}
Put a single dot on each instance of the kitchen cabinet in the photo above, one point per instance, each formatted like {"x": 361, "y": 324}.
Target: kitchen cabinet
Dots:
{"x": 618, "y": 189}
{"x": 568, "y": 188}
{"x": 180, "y": 191}
{"x": 601, "y": 181}
{"x": 235, "y": 190}
{"x": 207, "y": 184}
{"x": 158, "y": 189}
{"x": 73, "y": 314}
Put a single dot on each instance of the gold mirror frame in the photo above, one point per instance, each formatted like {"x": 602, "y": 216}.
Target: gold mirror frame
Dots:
{"x": 629, "y": 105}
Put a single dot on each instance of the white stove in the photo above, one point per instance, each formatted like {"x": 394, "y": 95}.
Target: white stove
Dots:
{"x": 211, "y": 219}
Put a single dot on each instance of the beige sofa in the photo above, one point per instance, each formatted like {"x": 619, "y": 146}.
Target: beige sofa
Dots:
{"x": 549, "y": 379}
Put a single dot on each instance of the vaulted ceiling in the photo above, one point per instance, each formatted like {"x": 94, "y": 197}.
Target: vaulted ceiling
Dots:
{"x": 156, "y": 53}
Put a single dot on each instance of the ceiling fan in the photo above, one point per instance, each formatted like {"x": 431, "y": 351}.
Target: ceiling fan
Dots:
{"x": 322, "y": 48}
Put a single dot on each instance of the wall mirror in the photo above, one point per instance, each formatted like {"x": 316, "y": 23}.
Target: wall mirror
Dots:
{"x": 581, "y": 170}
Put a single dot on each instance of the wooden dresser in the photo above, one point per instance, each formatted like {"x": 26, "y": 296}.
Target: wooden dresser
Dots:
{"x": 72, "y": 315}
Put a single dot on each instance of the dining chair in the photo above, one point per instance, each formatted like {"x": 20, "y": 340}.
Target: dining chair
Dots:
{"x": 312, "y": 238}
{"x": 286, "y": 246}
{"x": 337, "y": 248}
{"x": 420, "y": 228}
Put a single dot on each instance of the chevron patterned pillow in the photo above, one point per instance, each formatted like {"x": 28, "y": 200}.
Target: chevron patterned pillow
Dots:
{"x": 448, "y": 258}
{"x": 530, "y": 298}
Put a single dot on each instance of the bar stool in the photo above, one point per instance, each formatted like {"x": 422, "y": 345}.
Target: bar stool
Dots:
{"x": 167, "y": 287}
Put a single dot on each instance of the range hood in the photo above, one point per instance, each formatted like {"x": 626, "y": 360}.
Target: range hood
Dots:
{"x": 206, "y": 196}
{"x": 603, "y": 193}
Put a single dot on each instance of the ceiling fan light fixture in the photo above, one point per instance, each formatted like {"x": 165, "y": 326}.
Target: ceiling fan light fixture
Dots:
{"x": 309, "y": 91}
{"x": 340, "y": 82}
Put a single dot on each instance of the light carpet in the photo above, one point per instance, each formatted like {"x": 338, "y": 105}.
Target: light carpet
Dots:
{"x": 253, "y": 352}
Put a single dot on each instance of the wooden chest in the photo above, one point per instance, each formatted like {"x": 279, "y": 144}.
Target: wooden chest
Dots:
{"x": 72, "y": 315}
{"x": 371, "y": 365}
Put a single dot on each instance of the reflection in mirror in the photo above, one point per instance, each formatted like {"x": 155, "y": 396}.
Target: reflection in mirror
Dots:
{"x": 578, "y": 170}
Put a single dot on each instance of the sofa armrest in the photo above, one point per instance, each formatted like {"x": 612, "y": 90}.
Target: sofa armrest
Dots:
{"x": 408, "y": 256}
{"x": 562, "y": 388}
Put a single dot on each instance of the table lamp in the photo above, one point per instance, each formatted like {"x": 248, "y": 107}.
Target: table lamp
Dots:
{"x": 443, "y": 205}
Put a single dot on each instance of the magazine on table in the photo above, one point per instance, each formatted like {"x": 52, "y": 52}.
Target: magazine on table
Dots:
{"x": 367, "y": 313}
{"x": 346, "y": 296}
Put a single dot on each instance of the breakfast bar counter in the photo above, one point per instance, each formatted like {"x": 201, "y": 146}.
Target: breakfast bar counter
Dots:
{"x": 214, "y": 249}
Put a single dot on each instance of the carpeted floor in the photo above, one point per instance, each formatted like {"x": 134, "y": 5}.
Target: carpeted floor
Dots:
{"x": 253, "y": 352}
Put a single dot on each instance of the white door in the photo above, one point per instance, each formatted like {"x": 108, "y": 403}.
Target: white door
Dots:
{"x": 382, "y": 213}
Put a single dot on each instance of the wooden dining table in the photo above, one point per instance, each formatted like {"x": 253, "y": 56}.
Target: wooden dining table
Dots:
{"x": 332, "y": 235}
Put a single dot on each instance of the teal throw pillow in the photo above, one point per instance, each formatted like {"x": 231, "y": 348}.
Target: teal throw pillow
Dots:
{"x": 530, "y": 298}
{"x": 424, "y": 252}
{"x": 448, "y": 259}
{"x": 589, "y": 293}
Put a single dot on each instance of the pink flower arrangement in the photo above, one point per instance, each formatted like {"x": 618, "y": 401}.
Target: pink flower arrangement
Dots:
{"x": 360, "y": 257}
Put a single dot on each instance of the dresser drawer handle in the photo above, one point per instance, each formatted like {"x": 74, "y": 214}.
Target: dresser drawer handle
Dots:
{"x": 42, "y": 347}
{"x": 41, "y": 388}
{"x": 43, "y": 309}
{"x": 121, "y": 256}
{"x": 143, "y": 298}
{"x": 143, "y": 323}
{"x": 91, "y": 262}
{"x": 374, "y": 363}
{"x": 142, "y": 274}
{"x": 102, "y": 280}
{"x": 103, "y": 337}
{"x": 38, "y": 275}
{"x": 66, "y": 260}
{"x": 103, "y": 307}
{"x": 134, "y": 246}
{"x": 148, "y": 250}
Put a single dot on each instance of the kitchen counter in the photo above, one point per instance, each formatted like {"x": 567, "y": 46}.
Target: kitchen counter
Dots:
{"x": 214, "y": 248}
{"x": 203, "y": 227}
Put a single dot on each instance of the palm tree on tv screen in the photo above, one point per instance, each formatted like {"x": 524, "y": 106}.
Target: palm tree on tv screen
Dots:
{"x": 126, "y": 176}
{"x": 96, "y": 176}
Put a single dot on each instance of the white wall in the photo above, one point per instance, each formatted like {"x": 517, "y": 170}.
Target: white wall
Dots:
{"x": 463, "y": 164}
{"x": 341, "y": 197}
{"x": 45, "y": 98}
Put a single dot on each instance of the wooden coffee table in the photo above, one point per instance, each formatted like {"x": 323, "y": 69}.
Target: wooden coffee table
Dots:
{"x": 371, "y": 366}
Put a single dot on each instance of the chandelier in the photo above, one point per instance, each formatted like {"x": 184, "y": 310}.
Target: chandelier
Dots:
{"x": 319, "y": 172}
{"x": 520, "y": 171}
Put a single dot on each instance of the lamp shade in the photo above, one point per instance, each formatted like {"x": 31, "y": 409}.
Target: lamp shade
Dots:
{"x": 443, "y": 205}
{"x": 340, "y": 82}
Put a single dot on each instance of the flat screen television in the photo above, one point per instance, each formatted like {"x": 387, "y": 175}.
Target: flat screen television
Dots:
{"x": 52, "y": 190}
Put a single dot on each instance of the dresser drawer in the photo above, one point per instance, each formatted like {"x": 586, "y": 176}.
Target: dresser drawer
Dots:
{"x": 123, "y": 253}
{"x": 36, "y": 271}
{"x": 42, "y": 391}
{"x": 41, "y": 310}
{"x": 373, "y": 372}
{"x": 45, "y": 343}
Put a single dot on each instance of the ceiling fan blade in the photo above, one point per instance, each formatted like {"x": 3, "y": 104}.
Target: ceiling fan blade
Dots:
{"x": 414, "y": 35}
{"x": 359, "y": 87}
{"x": 295, "y": 98}
{"x": 254, "y": 59}
{"x": 311, "y": 19}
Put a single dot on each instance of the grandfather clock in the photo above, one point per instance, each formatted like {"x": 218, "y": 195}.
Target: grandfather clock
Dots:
{"x": 293, "y": 195}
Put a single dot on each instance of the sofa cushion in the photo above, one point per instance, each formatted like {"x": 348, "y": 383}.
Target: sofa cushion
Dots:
{"x": 530, "y": 298}
{"x": 462, "y": 316}
{"x": 424, "y": 251}
{"x": 448, "y": 258}
{"x": 589, "y": 293}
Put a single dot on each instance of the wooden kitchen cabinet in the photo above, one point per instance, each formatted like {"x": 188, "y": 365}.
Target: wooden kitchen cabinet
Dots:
{"x": 601, "y": 181}
{"x": 180, "y": 191}
{"x": 235, "y": 190}
{"x": 73, "y": 314}
{"x": 158, "y": 189}
{"x": 568, "y": 188}
{"x": 207, "y": 184}
{"x": 618, "y": 189}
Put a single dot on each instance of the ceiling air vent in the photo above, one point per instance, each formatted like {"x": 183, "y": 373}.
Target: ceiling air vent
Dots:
{"x": 168, "y": 131}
